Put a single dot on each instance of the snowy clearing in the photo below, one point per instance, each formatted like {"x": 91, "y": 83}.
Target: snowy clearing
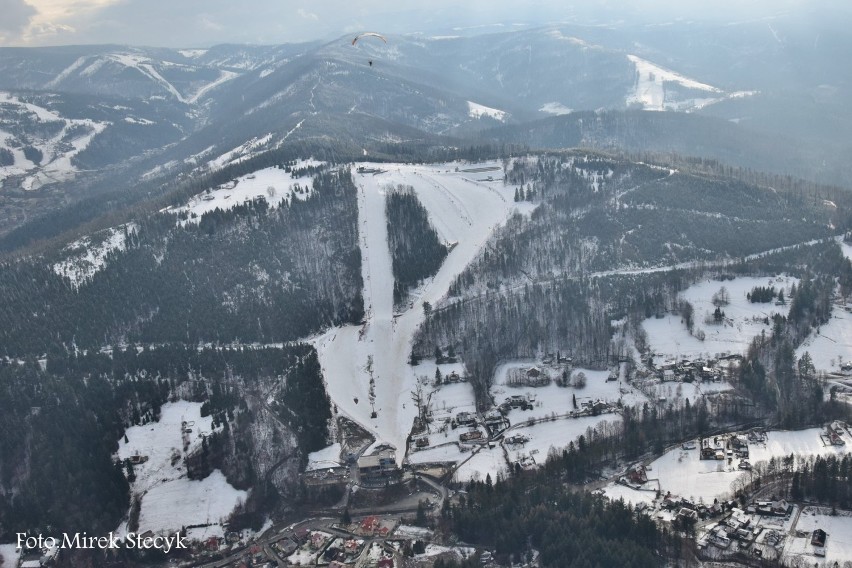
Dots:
{"x": 56, "y": 149}
{"x": 838, "y": 545}
{"x": 650, "y": 91}
{"x": 555, "y": 108}
{"x": 668, "y": 336}
{"x": 686, "y": 475}
{"x": 9, "y": 555}
{"x": 830, "y": 345}
{"x": 271, "y": 184}
{"x": 462, "y": 210}
{"x": 476, "y": 110}
{"x": 325, "y": 458}
{"x": 487, "y": 461}
{"x": 169, "y": 499}
{"x": 241, "y": 152}
{"x": 89, "y": 255}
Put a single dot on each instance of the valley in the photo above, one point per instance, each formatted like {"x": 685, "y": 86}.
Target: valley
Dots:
{"x": 567, "y": 292}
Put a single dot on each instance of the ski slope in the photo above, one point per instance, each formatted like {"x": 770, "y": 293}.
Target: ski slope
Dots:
{"x": 462, "y": 209}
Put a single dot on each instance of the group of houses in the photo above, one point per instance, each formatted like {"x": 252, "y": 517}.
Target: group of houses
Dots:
{"x": 689, "y": 370}
{"x": 725, "y": 448}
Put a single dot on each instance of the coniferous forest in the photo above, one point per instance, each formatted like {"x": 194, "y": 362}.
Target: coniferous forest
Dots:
{"x": 416, "y": 250}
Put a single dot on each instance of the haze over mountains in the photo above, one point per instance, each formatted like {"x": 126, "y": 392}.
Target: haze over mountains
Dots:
{"x": 514, "y": 255}
{"x": 110, "y": 111}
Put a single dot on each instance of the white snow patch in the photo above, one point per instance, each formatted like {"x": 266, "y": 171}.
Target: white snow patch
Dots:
{"x": 169, "y": 499}
{"x": 555, "y": 108}
{"x": 142, "y": 121}
{"x": 476, "y": 110}
{"x": 629, "y": 495}
{"x": 325, "y": 458}
{"x": 86, "y": 258}
{"x": 240, "y": 153}
{"x": 192, "y": 53}
{"x": 57, "y": 151}
{"x": 222, "y": 78}
{"x": 461, "y": 552}
{"x": 9, "y": 555}
{"x": 272, "y": 184}
{"x": 487, "y": 461}
{"x": 743, "y": 320}
{"x": 170, "y": 505}
{"x": 830, "y": 345}
{"x": 650, "y": 92}
{"x": 684, "y": 474}
{"x": 798, "y": 550}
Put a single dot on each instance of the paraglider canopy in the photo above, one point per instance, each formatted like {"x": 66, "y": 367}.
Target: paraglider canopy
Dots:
{"x": 369, "y": 34}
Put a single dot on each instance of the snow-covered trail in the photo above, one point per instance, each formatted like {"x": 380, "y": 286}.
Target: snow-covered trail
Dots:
{"x": 462, "y": 210}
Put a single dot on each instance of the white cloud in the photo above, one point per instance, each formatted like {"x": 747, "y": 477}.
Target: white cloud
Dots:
{"x": 208, "y": 23}
{"x": 307, "y": 15}
{"x": 16, "y": 15}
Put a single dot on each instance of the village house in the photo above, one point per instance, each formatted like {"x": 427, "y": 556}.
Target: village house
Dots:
{"x": 466, "y": 419}
{"x": 818, "y": 539}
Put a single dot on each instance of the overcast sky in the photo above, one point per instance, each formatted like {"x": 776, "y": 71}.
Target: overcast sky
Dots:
{"x": 201, "y": 23}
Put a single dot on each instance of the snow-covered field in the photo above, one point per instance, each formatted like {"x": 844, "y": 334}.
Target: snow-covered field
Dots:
{"x": 462, "y": 210}
{"x": 684, "y": 474}
{"x": 272, "y": 184}
{"x": 57, "y": 149}
{"x": 831, "y": 345}
{"x": 241, "y": 152}
{"x": 649, "y": 91}
{"x": 838, "y": 546}
{"x": 744, "y": 320}
{"x": 553, "y": 435}
{"x": 476, "y": 110}
{"x": 555, "y": 108}
{"x": 169, "y": 499}
{"x": 553, "y": 400}
{"x": 485, "y": 462}
{"x": 9, "y": 555}
{"x": 324, "y": 458}
{"x": 681, "y": 392}
{"x": 629, "y": 495}
{"x": 86, "y": 258}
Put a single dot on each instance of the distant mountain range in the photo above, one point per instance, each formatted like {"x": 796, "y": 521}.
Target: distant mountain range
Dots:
{"x": 79, "y": 121}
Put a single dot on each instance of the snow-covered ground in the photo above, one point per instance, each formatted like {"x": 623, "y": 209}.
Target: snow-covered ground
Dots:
{"x": 838, "y": 545}
{"x": 553, "y": 435}
{"x": 744, "y": 320}
{"x": 487, "y": 461}
{"x": 555, "y": 108}
{"x": 272, "y": 184}
{"x": 241, "y": 152}
{"x": 57, "y": 149}
{"x": 684, "y": 474}
{"x": 676, "y": 392}
{"x": 9, "y": 555}
{"x": 649, "y": 91}
{"x": 831, "y": 344}
{"x": 476, "y": 110}
{"x": 432, "y": 550}
{"x": 616, "y": 491}
{"x": 169, "y": 499}
{"x": 462, "y": 210}
{"x": 88, "y": 255}
{"x": 553, "y": 400}
{"x": 324, "y": 458}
